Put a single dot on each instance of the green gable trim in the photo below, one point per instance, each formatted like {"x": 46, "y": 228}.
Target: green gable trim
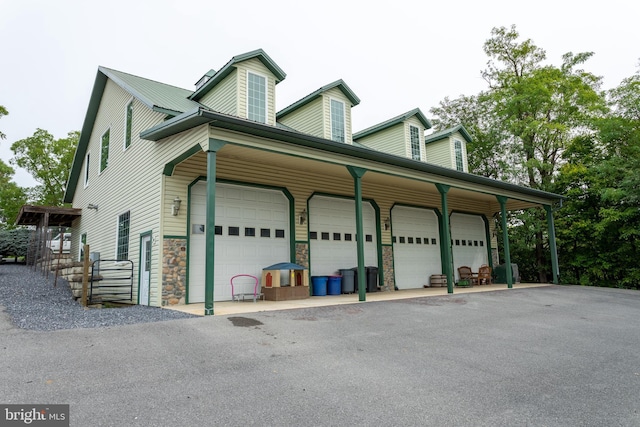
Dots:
{"x": 170, "y": 167}
{"x": 340, "y": 84}
{"x": 229, "y": 67}
{"x": 446, "y": 133}
{"x": 392, "y": 122}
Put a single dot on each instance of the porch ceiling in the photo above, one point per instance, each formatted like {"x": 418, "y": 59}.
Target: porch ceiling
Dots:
{"x": 305, "y": 165}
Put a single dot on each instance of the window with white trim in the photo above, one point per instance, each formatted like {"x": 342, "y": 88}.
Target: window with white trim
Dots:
{"x": 256, "y": 97}
{"x": 337, "y": 121}
{"x": 122, "y": 249}
{"x": 414, "y": 134}
{"x": 86, "y": 169}
{"x": 128, "y": 124}
{"x": 458, "y": 152}
{"x": 104, "y": 150}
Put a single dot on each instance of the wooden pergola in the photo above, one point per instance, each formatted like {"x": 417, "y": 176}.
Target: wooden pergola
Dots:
{"x": 43, "y": 218}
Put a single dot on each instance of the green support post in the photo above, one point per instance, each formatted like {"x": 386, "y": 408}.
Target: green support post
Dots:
{"x": 357, "y": 174}
{"x": 446, "y": 237}
{"x": 552, "y": 244}
{"x": 505, "y": 239}
{"x": 210, "y": 226}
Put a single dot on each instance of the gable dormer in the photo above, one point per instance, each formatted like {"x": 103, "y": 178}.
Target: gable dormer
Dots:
{"x": 244, "y": 87}
{"x": 325, "y": 113}
{"x": 401, "y": 136}
{"x": 448, "y": 148}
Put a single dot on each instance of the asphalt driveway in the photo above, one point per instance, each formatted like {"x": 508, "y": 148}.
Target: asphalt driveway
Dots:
{"x": 553, "y": 356}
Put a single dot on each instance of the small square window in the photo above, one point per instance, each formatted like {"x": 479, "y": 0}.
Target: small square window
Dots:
{"x": 249, "y": 232}
{"x": 464, "y": 243}
{"x": 347, "y": 237}
{"x": 336, "y": 236}
{"x": 475, "y": 243}
{"x": 469, "y": 243}
{"x": 218, "y": 230}
{"x": 410, "y": 240}
{"x": 401, "y": 239}
{"x": 279, "y": 234}
{"x": 457, "y": 242}
{"x": 433, "y": 241}
{"x": 393, "y": 239}
{"x": 265, "y": 232}
{"x": 481, "y": 243}
{"x": 368, "y": 238}
{"x": 313, "y": 235}
{"x": 325, "y": 236}
{"x": 234, "y": 231}
{"x": 426, "y": 240}
{"x": 418, "y": 241}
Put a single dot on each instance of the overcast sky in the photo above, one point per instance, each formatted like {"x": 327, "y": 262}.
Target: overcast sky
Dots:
{"x": 395, "y": 55}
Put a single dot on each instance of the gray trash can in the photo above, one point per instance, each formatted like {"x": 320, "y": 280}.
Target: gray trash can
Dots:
{"x": 348, "y": 281}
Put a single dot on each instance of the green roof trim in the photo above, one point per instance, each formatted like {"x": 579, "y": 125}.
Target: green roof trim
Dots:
{"x": 248, "y": 127}
{"x": 230, "y": 66}
{"x": 446, "y": 133}
{"x": 392, "y": 122}
{"x": 340, "y": 84}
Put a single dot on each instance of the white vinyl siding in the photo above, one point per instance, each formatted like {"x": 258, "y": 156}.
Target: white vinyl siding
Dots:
{"x": 223, "y": 98}
{"x": 306, "y": 119}
{"x": 439, "y": 153}
{"x": 256, "y": 97}
{"x": 390, "y": 140}
{"x": 338, "y": 132}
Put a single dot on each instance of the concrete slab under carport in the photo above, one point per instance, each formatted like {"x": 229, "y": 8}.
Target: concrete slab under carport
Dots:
{"x": 248, "y": 306}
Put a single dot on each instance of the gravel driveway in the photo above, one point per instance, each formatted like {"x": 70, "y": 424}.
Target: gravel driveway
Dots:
{"x": 32, "y": 302}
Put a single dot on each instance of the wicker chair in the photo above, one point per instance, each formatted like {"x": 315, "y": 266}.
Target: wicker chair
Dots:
{"x": 465, "y": 273}
{"x": 484, "y": 275}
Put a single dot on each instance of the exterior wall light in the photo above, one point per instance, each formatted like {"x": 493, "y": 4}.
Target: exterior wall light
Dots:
{"x": 175, "y": 206}
{"x": 387, "y": 224}
{"x": 92, "y": 206}
{"x": 302, "y": 218}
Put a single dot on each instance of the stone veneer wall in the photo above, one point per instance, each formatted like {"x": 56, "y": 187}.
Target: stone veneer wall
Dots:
{"x": 387, "y": 268}
{"x": 302, "y": 254}
{"x": 174, "y": 271}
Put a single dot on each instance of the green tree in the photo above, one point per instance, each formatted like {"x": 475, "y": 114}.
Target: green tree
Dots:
{"x": 3, "y": 112}
{"x": 526, "y": 118}
{"x": 12, "y": 197}
{"x": 48, "y": 160}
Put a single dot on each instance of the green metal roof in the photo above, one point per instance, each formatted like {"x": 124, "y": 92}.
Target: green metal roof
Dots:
{"x": 340, "y": 84}
{"x": 437, "y": 136}
{"x": 230, "y": 66}
{"x": 392, "y": 122}
{"x": 155, "y": 95}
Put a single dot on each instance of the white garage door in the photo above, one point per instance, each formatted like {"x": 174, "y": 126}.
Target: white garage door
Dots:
{"x": 332, "y": 235}
{"x": 469, "y": 240}
{"x": 416, "y": 246}
{"x": 252, "y": 232}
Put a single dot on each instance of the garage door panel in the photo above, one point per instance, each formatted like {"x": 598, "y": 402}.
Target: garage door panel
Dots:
{"x": 416, "y": 251}
{"x": 245, "y": 210}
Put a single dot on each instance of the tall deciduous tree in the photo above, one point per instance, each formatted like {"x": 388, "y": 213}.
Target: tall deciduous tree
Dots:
{"x": 527, "y": 117}
{"x": 3, "y": 112}
{"x": 12, "y": 197}
{"x": 49, "y": 161}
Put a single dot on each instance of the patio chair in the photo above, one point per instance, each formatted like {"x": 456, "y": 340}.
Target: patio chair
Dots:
{"x": 484, "y": 275}
{"x": 465, "y": 273}
{"x": 237, "y": 293}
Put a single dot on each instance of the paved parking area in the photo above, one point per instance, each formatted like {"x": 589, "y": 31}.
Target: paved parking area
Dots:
{"x": 549, "y": 356}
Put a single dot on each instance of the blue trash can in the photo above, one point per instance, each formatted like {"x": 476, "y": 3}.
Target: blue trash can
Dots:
{"x": 319, "y": 285}
{"x": 334, "y": 285}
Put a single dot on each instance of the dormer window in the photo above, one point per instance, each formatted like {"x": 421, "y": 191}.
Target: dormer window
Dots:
{"x": 337, "y": 121}
{"x": 458, "y": 152}
{"x": 414, "y": 133}
{"x": 256, "y": 97}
